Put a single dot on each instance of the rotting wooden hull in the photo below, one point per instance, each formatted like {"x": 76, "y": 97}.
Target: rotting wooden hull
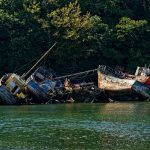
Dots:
{"x": 142, "y": 79}
{"x": 122, "y": 88}
{"x": 119, "y": 74}
{"x": 115, "y": 88}
{"x": 6, "y": 97}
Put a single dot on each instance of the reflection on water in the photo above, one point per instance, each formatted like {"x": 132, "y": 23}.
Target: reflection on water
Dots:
{"x": 76, "y": 126}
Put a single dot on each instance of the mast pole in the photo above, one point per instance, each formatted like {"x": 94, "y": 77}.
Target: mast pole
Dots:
{"x": 75, "y": 74}
{"x": 37, "y": 63}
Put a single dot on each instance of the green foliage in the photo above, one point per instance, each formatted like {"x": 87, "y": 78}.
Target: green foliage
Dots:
{"x": 89, "y": 33}
{"x": 68, "y": 21}
{"x": 126, "y": 28}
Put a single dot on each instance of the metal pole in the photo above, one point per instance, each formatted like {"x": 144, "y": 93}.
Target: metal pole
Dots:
{"x": 75, "y": 74}
{"x": 35, "y": 65}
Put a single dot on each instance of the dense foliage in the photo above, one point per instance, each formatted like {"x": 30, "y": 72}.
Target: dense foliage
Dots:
{"x": 88, "y": 32}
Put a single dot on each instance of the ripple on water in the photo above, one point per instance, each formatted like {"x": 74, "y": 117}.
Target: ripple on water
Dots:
{"x": 75, "y": 129}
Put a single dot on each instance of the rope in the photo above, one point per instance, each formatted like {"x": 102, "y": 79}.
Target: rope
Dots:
{"x": 27, "y": 64}
{"x": 46, "y": 55}
{"x": 39, "y": 61}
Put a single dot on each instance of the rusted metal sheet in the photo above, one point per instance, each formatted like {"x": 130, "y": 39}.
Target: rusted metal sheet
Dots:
{"x": 41, "y": 85}
{"x": 142, "y": 89}
{"x": 148, "y": 81}
{"x": 37, "y": 92}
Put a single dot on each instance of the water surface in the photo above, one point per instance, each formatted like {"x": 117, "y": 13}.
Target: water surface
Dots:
{"x": 111, "y": 126}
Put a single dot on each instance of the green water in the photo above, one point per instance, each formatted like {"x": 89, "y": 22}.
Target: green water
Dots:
{"x": 112, "y": 126}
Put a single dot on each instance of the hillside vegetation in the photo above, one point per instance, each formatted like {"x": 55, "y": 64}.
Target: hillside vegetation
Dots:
{"x": 88, "y": 32}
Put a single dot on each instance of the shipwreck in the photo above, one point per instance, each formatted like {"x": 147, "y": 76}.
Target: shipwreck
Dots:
{"x": 41, "y": 85}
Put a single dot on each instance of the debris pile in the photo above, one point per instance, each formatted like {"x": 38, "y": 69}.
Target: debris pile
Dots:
{"x": 43, "y": 86}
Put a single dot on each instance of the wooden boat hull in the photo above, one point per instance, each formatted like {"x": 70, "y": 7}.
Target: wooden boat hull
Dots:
{"x": 6, "y": 97}
{"x": 110, "y": 83}
{"x": 143, "y": 79}
{"x": 116, "y": 88}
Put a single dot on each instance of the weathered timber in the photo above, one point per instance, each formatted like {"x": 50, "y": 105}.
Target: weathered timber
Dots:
{"x": 125, "y": 89}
